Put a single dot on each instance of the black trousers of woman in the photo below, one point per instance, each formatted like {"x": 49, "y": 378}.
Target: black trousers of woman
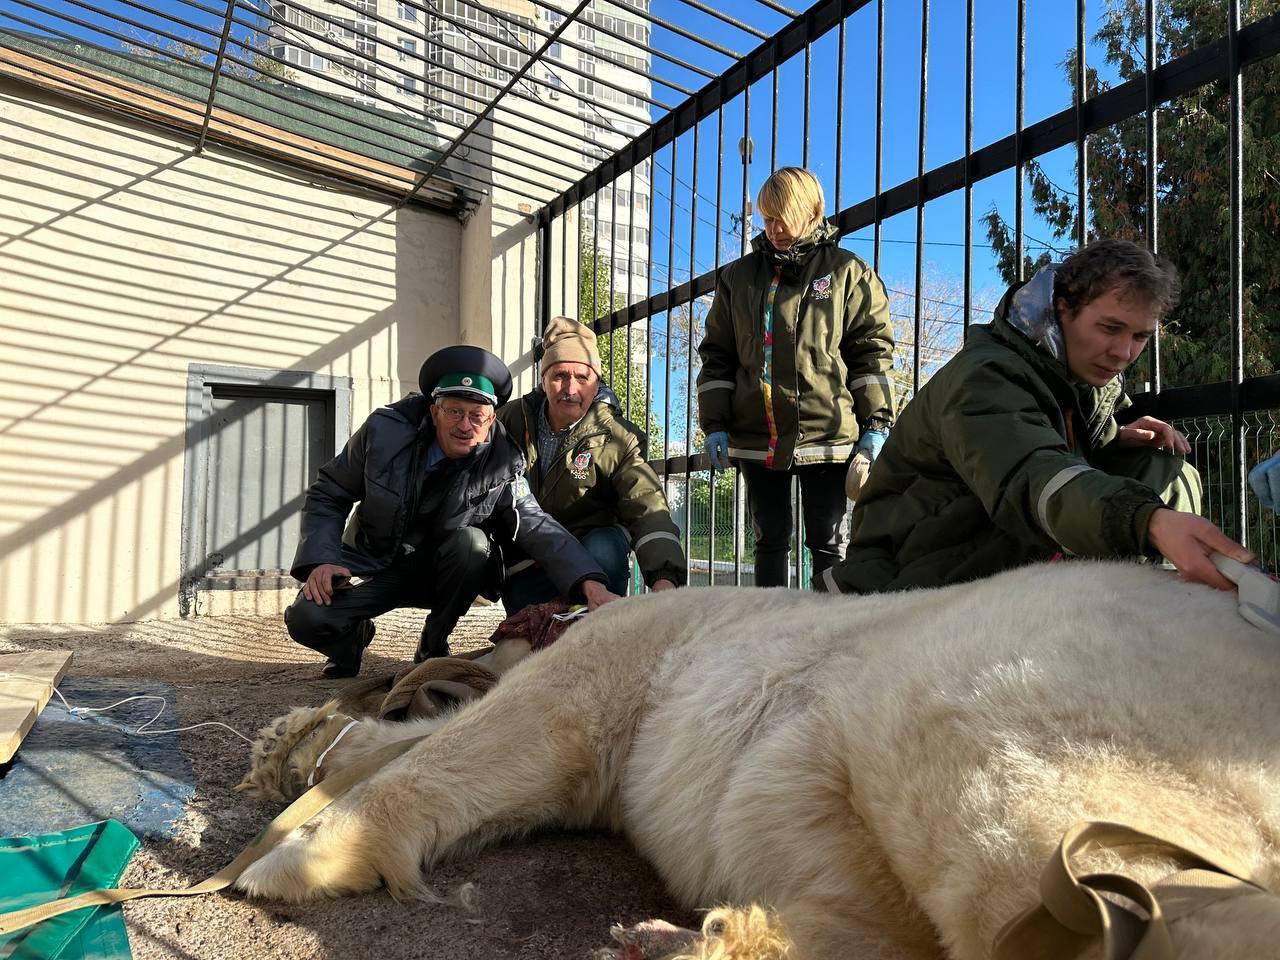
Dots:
{"x": 769, "y": 502}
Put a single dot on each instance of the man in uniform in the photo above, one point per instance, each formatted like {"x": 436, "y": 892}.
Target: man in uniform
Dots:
{"x": 439, "y": 492}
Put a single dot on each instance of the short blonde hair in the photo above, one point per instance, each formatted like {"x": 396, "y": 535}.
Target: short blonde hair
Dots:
{"x": 794, "y": 196}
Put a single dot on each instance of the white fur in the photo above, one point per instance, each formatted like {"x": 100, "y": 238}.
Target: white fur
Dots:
{"x": 892, "y": 769}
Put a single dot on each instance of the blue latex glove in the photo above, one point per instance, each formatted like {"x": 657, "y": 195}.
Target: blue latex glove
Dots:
{"x": 1265, "y": 480}
{"x": 717, "y": 447}
{"x": 871, "y": 441}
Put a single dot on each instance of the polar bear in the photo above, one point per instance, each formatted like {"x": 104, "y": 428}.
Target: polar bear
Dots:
{"x": 886, "y": 774}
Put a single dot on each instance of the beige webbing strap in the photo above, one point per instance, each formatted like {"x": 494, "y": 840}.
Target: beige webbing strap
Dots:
{"x": 1074, "y": 914}
{"x": 296, "y": 814}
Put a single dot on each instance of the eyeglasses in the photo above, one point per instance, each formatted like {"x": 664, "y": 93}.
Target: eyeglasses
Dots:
{"x": 473, "y": 417}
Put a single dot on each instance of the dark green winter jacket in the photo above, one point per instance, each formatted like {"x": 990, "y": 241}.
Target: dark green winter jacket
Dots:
{"x": 796, "y": 374}
{"x": 994, "y": 464}
{"x": 601, "y": 479}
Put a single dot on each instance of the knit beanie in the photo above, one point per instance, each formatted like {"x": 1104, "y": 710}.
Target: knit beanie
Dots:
{"x": 566, "y": 339}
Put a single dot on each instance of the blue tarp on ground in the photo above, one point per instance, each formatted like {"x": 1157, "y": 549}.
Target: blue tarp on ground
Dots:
{"x": 73, "y": 770}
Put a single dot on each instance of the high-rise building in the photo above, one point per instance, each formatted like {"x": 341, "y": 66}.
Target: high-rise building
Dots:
{"x": 444, "y": 60}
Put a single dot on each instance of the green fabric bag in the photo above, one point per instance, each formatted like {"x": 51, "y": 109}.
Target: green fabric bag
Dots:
{"x": 35, "y": 870}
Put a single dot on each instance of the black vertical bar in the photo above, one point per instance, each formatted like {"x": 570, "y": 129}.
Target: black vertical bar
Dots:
{"x": 613, "y": 272}
{"x": 840, "y": 52}
{"x": 808, "y": 68}
{"x": 742, "y": 251}
{"x": 1153, "y": 168}
{"x": 747, "y": 147}
{"x": 1238, "y": 473}
{"x": 773, "y": 133}
{"x": 968, "y": 164}
{"x": 577, "y": 294}
{"x": 671, "y": 282}
{"x": 1082, "y": 159}
{"x": 711, "y": 531}
{"x": 1020, "y": 170}
{"x": 648, "y": 331}
{"x": 544, "y": 273}
{"x": 719, "y": 182}
{"x": 631, "y": 239}
{"x": 688, "y": 390}
{"x": 711, "y": 474}
{"x": 920, "y": 197}
{"x": 797, "y": 526}
{"x": 879, "y": 128}
{"x": 737, "y": 528}
{"x": 666, "y": 393}
{"x": 564, "y": 262}
{"x": 595, "y": 258}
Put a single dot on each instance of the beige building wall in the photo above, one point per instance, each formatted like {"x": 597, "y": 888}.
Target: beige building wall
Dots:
{"x": 124, "y": 258}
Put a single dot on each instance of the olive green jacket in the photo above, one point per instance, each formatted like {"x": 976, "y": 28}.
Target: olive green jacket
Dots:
{"x": 601, "y": 479}
{"x": 803, "y": 389}
{"x": 994, "y": 464}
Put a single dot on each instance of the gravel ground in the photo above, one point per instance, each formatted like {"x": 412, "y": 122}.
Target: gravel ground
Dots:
{"x": 552, "y": 895}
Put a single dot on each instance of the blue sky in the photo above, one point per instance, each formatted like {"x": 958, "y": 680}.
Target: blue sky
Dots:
{"x": 1050, "y": 39}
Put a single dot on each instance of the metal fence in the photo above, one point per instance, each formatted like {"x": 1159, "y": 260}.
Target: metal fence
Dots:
{"x": 689, "y": 154}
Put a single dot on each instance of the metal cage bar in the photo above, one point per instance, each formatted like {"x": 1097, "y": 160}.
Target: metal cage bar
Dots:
{"x": 1213, "y": 62}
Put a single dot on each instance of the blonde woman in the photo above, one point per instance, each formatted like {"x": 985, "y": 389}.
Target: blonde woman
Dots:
{"x": 795, "y": 372}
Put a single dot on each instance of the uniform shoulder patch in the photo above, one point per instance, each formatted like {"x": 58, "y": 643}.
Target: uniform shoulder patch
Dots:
{"x": 520, "y": 488}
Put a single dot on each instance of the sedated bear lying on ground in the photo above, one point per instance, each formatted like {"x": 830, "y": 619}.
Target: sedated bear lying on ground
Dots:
{"x": 885, "y": 775}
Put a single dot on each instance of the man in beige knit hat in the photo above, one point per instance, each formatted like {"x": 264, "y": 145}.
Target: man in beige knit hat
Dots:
{"x": 587, "y": 469}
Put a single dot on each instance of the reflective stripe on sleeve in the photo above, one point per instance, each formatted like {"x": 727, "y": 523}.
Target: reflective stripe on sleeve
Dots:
{"x": 715, "y": 385}
{"x": 1056, "y": 483}
{"x": 829, "y": 578}
{"x": 870, "y": 378}
{"x": 659, "y": 535}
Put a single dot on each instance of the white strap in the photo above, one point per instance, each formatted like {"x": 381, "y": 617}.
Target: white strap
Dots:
{"x": 311, "y": 777}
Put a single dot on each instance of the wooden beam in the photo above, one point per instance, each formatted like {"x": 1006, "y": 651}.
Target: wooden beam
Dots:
{"x": 26, "y": 684}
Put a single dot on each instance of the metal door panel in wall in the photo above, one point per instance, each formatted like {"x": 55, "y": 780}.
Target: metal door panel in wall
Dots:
{"x": 255, "y": 441}
{"x": 264, "y": 450}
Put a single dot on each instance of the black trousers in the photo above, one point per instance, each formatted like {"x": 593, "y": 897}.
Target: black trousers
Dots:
{"x": 447, "y": 581}
{"x": 769, "y": 501}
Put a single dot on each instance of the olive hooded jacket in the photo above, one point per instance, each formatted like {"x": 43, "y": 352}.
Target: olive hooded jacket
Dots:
{"x": 997, "y": 462}
{"x": 600, "y": 479}
{"x": 797, "y": 353}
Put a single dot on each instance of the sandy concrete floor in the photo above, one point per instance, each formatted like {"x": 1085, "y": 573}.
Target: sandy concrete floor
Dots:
{"x": 552, "y": 895}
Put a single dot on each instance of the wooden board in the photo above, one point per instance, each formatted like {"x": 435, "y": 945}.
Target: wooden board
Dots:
{"x": 26, "y": 684}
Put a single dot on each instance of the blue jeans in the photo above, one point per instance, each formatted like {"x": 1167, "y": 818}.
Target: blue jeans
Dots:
{"x": 608, "y": 545}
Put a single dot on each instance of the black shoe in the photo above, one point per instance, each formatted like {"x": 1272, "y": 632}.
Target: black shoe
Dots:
{"x": 429, "y": 647}
{"x": 335, "y": 669}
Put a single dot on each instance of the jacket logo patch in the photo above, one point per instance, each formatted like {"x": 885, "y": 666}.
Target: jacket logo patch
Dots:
{"x": 580, "y": 464}
{"x": 822, "y": 288}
